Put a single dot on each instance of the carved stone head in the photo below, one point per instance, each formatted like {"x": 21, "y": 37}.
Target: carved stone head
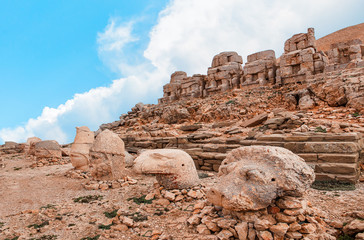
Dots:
{"x": 173, "y": 168}
{"x": 250, "y": 178}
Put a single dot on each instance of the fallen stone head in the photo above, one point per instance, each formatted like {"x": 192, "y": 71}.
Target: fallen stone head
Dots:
{"x": 174, "y": 169}
{"x": 250, "y": 178}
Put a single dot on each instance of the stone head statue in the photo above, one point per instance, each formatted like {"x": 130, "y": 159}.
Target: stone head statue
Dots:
{"x": 250, "y": 178}
{"x": 80, "y": 149}
{"x": 107, "y": 156}
{"x": 174, "y": 169}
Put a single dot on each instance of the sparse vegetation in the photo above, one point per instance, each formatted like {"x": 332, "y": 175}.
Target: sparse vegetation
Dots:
{"x": 140, "y": 200}
{"x": 91, "y": 238}
{"x": 17, "y": 168}
{"x": 202, "y": 175}
{"x": 333, "y": 186}
{"x": 38, "y": 226}
{"x": 138, "y": 217}
{"x": 46, "y": 237}
{"x": 230, "y": 102}
{"x": 355, "y": 114}
{"x": 48, "y": 206}
{"x": 105, "y": 227}
{"x": 111, "y": 214}
{"x": 320, "y": 129}
{"x": 345, "y": 237}
{"x": 88, "y": 199}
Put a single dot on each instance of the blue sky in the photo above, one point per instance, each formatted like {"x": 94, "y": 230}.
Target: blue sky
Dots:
{"x": 70, "y": 63}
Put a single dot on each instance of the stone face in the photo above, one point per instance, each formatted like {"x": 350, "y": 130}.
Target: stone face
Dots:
{"x": 250, "y": 178}
{"x": 173, "y": 168}
{"x": 107, "y": 156}
{"x": 80, "y": 149}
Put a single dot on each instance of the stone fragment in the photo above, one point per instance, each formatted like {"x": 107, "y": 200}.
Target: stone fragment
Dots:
{"x": 255, "y": 121}
{"x": 264, "y": 235}
{"x": 202, "y": 229}
{"x": 226, "y": 223}
{"x": 48, "y": 149}
{"x": 355, "y": 226}
{"x": 224, "y": 234}
{"x": 174, "y": 168}
{"x": 242, "y": 230}
{"x": 279, "y": 229}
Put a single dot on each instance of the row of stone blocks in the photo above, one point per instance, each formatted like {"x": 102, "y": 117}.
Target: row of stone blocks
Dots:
{"x": 332, "y": 156}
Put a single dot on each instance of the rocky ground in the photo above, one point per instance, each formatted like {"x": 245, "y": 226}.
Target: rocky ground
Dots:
{"x": 50, "y": 202}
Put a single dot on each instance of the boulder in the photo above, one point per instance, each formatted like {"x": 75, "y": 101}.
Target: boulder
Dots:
{"x": 47, "y": 149}
{"x": 29, "y": 147}
{"x": 173, "y": 168}
{"x": 129, "y": 159}
{"x": 250, "y": 178}
{"x": 107, "y": 156}
{"x": 80, "y": 149}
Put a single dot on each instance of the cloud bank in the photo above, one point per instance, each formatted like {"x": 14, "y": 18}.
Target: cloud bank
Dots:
{"x": 186, "y": 37}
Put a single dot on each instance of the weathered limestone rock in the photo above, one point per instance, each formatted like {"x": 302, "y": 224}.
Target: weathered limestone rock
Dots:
{"x": 129, "y": 159}
{"x": 173, "y": 168}
{"x": 29, "y": 147}
{"x": 260, "y": 68}
{"x": 80, "y": 149}
{"x": 48, "y": 149}
{"x": 107, "y": 156}
{"x": 224, "y": 74}
{"x": 250, "y": 178}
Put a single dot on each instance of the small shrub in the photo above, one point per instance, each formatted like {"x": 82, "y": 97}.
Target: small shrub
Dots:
{"x": 203, "y": 175}
{"x": 46, "y": 237}
{"x": 88, "y": 199}
{"x": 111, "y": 214}
{"x": 333, "y": 186}
{"x": 345, "y": 237}
{"x": 14, "y": 238}
{"x": 230, "y": 102}
{"x": 105, "y": 227}
{"x": 2, "y": 224}
{"x": 17, "y": 168}
{"x": 38, "y": 226}
{"x": 355, "y": 114}
{"x": 320, "y": 129}
{"x": 138, "y": 217}
{"x": 91, "y": 238}
{"x": 140, "y": 200}
{"x": 48, "y": 206}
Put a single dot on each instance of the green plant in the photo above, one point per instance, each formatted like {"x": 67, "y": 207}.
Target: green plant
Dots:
{"x": 37, "y": 226}
{"x": 17, "y": 168}
{"x": 230, "y": 102}
{"x": 345, "y": 237}
{"x": 46, "y": 237}
{"x": 333, "y": 186}
{"x": 48, "y": 206}
{"x": 355, "y": 114}
{"x": 105, "y": 227}
{"x": 203, "y": 175}
{"x": 2, "y": 224}
{"x": 14, "y": 238}
{"x": 140, "y": 200}
{"x": 320, "y": 129}
{"x": 138, "y": 217}
{"x": 111, "y": 214}
{"x": 88, "y": 199}
{"x": 91, "y": 238}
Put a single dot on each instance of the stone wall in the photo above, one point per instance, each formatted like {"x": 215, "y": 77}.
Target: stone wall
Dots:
{"x": 332, "y": 156}
{"x": 260, "y": 68}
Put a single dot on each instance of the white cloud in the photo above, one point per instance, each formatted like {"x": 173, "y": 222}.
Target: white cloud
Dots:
{"x": 188, "y": 34}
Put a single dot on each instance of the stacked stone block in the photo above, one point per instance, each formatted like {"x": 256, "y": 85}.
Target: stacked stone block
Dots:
{"x": 260, "y": 68}
{"x": 343, "y": 53}
{"x": 300, "y": 59}
{"x": 224, "y": 74}
{"x": 332, "y": 156}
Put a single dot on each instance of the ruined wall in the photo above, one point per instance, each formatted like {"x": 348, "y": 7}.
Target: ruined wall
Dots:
{"x": 300, "y": 61}
{"x": 332, "y": 156}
